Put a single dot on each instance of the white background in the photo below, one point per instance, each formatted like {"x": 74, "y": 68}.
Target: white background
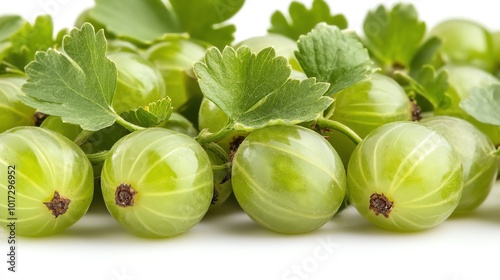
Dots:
{"x": 228, "y": 245}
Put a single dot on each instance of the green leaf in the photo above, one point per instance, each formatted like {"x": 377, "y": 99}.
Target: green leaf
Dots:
{"x": 394, "y": 36}
{"x": 425, "y": 54}
{"x": 144, "y": 20}
{"x": 255, "y": 90}
{"x": 483, "y": 103}
{"x": 60, "y": 37}
{"x": 28, "y": 40}
{"x": 302, "y": 20}
{"x": 9, "y": 25}
{"x": 428, "y": 83}
{"x": 152, "y": 115}
{"x": 333, "y": 56}
{"x": 4, "y": 47}
{"x": 201, "y": 19}
{"x": 78, "y": 86}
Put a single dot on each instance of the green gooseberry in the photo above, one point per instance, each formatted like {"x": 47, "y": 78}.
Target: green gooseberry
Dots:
{"x": 288, "y": 179}
{"x": 283, "y": 46}
{"x": 174, "y": 58}
{"x": 476, "y": 152}
{"x": 55, "y": 123}
{"x": 180, "y": 124}
{"x": 366, "y": 106}
{"x": 211, "y": 117}
{"x": 139, "y": 82}
{"x": 405, "y": 176}
{"x": 157, "y": 182}
{"x": 13, "y": 112}
{"x": 47, "y": 181}
{"x": 465, "y": 42}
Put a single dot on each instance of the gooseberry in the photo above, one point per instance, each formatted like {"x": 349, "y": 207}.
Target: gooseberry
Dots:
{"x": 13, "y": 112}
{"x": 180, "y": 124}
{"x": 288, "y": 179}
{"x": 283, "y": 46}
{"x": 405, "y": 176}
{"x": 139, "y": 82}
{"x": 476, "y": 153}
{"x": 47, "y": 180}
{"x": 366, "y": 106}
{"x": 56, "y": 124}
{"x": 174, "y": 59}
{"x": 157, "y": 182}
{"x": 465, "y": 42}
{"x": 214, "y": 119}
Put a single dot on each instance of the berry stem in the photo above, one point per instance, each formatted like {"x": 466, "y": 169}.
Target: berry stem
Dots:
{"x": 222, "y": 167}
{"x": 208, "y": 137}
{"x": 217, "y": 150}
{"x": 127, "y": 125}
{"x": 11, "y": 69}
{"x": 82, "y": 137}
{"x": 97, "y": 157}
{"x": 326, "y": 123}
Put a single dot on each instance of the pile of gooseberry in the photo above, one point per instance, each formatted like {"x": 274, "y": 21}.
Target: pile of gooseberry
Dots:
{"x": 411, "y": 168}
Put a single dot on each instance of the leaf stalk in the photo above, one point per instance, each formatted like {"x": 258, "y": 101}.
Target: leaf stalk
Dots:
{"x": 326, "y": 123}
